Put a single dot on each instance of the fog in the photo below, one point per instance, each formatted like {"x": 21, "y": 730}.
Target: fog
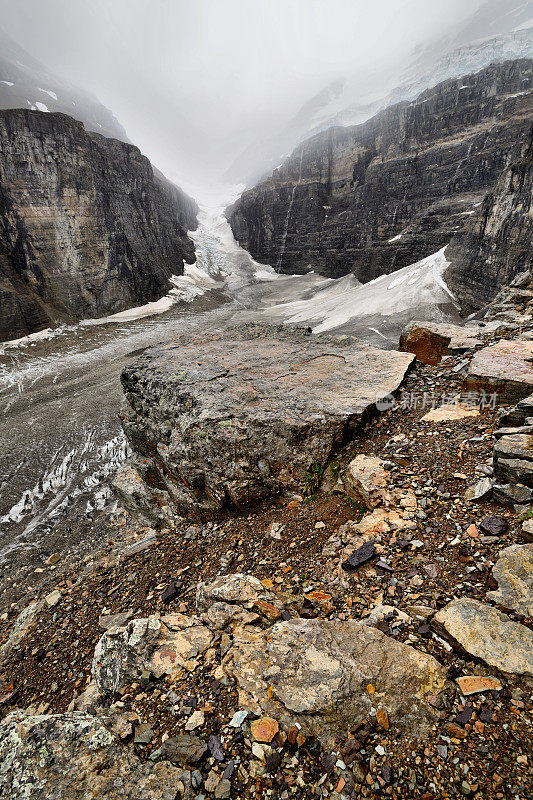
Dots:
{"x": 195, "y": 82}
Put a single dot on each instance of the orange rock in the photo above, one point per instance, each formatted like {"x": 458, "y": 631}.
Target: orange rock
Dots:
{"x": 472, "y": 684}
{"x": 267, "y": 583}
{"x": 300, "y": 739}
{"x": 264, "y": 729}
{"x": 267, "y": 609}
{"x": 456, "y": 731}
{"x": 472, "y": 531}
{"x": 429, "y": 344}
{"x": 382, "y": 718}
{"x": 370, "y": 689}
{"x": 340, "y": 785}
{"x": 292, "y": 734}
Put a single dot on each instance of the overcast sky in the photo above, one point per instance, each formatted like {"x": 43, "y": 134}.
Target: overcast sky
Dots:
{"x": 195, "y": 81}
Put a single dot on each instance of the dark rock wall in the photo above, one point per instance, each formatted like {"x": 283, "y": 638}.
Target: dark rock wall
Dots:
{"x": 415, "y": 168}
{"x": 497, "y": 245}
{"x": 86, "y": 229}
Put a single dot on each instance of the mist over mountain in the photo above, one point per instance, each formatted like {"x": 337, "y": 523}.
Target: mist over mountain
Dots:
{"x": 27, "y": 83}
{"x": 197, "y": 84}
{"x": 496, "y": 31}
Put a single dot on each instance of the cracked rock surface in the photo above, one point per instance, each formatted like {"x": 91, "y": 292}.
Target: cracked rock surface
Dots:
{"x": 228, "y": 420}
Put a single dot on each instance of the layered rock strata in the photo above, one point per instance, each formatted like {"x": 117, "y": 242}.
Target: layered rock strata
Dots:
{"x": 86, "y": 230}
{"x": 375, "y": 197}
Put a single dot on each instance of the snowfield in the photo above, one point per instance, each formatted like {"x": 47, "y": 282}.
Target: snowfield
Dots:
{"x": 413, "y": 288}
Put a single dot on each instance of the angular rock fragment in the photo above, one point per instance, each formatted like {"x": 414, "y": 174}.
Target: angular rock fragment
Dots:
{"x": 505, "y": 368}
{"x": 511, "y": 494}
{"x": 520, "y": 413}
{"x": 430, "y": 341}
{"x": 360, "y": 556}
{"x": 514, "y": 573}
{"x": 513, "y": 459}
{"x": 183, "y": 749}
{"x": 315, "y": 673}
{"x": 494, "y": 526}
{"x": 487, "y": 634}
{"x": 475, "y": 684}
{"x": 229, "y": 419}
{"x": 161, "y": 646}
{"x": 236, "y": 589}
{"x": 69, "y": 756}
{"x": 527, "y": 531}
{"x": 450, "y": 412}
{"x": 108, "y": 621}
{"x": 480, "y": 490}
{"x": 366, "y": 481}
{"x": 429, "y": 346}
{"x": 21, "y": 627}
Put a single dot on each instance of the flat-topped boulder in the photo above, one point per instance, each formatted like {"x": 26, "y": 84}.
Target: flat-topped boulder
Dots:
{"x": 505, "y": 368}
{"x": 329, "y": 676}
{"x": 430, "y": 341}
{"x": 231, "y": 418}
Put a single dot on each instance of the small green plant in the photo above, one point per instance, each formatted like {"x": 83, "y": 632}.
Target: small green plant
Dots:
{"x": 312, "y": 479}
{"x": 526, "y": 515}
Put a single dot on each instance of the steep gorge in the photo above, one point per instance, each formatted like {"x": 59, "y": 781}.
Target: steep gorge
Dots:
{"x": 372, "y": 198}
{"x": 86, "y": 227}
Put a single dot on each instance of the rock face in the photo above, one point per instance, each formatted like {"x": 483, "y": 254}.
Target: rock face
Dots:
{"x": 86, "y": 229}
{"x": 230, "y": 419}
{"x": 72, "y": 756}
{"x": 513, "y": 467}
{"x": 316, "y": 673}
{"x": 485, "y": 633}
{"x": 495, "y": 248}
{"x": 375, "y": 197}
{"x": 514, "y": 573}
{"x": 505, "y": 368}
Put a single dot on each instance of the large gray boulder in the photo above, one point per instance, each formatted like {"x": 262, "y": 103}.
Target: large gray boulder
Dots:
{"x": 230, "y": 419}
{"x": 487, "y": 634}
{"x": 329, "y": 676}
{"x": 504, "y": 368}
{"x": 74, "y": 757}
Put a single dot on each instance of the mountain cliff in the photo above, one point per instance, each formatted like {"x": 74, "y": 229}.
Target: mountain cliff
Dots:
{"x": 86, "y": 229}
{"x": 494, "y": 250}
{"x": 375, "y": 197}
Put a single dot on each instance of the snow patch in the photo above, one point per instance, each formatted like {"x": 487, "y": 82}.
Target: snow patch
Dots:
{"x": 51, "y": 94}
{"x": 40, "y": 106}
{"x": 395, "y": 238}
{"x": 413, "y": 287}
{"x": 7, "y": 83}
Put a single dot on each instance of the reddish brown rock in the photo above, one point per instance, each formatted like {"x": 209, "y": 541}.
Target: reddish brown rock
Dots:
{"x": 264, "y": 729}
{"x": 424, "y": 340}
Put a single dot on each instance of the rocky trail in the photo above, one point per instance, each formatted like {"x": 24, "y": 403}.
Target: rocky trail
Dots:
{"x": 364, "y": 632}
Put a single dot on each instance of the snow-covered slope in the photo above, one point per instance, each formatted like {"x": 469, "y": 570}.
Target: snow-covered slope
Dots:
{"x": 414, "y": 292}
{"x": 26, "y": 83}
